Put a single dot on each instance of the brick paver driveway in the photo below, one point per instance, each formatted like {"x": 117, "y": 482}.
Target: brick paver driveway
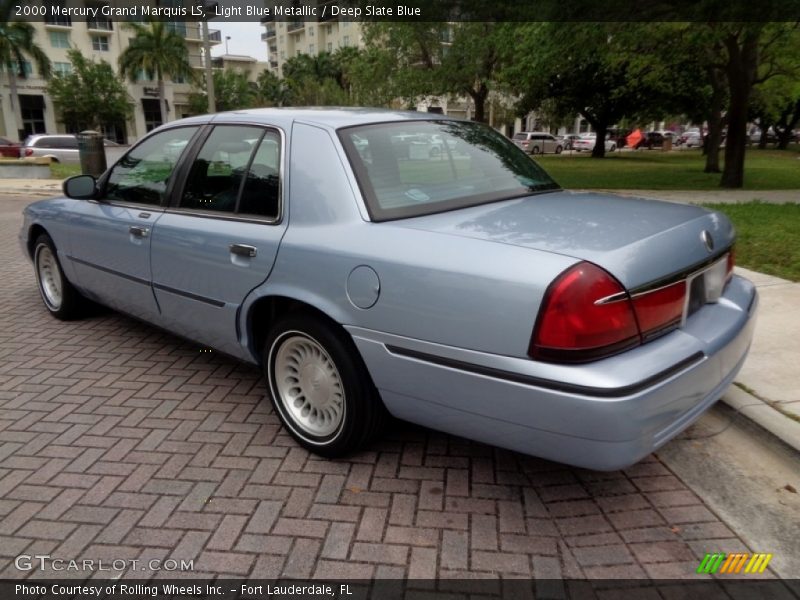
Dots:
{"x": 119, "y": 441}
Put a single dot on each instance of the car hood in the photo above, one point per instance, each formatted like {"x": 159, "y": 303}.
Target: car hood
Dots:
{"x": 636, "y": 239}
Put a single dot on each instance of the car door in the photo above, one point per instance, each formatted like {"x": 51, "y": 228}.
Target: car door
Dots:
{"x": 219, "y": 238}
{"x": 111, "y": 246}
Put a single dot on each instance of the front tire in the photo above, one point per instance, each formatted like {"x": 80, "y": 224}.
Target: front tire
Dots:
{"x": 59, "y": 297}
{"x": 319, "y": 386}
{"x": 559, "y": 149}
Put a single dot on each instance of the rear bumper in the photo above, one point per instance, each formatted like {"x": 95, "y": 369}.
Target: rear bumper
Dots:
{"x": 605, "y": 415}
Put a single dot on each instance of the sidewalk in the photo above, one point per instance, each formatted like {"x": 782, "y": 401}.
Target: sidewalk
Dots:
{"x": 43, "y": 188}
{"x": 767, "y": 390}
{"x": 713, "y": 196}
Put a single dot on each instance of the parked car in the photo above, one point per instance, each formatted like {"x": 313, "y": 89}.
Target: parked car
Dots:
{"x": 537, "y": 142}
{"x": 691, "y": 139}
{"x": 467, "y": 293}
{"x": 59, "y": 148}
{"x": 588, "y": 141}
{"x": 8, "y": 149}
{"x": 568, "y": 139}
{"x": 650, "y": 140}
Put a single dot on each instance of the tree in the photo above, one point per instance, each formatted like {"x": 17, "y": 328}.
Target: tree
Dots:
{"x": 17, "y": 41}
{"x": 159, "y": 52}
{"x": 739, "y": 57}
{"x": 318, "y": 80}
{"x": 232, "y": 89}
{"x": 584, "y": 68}
{"x": 91, "y": 96}
{"x": 445, "y": 58}
{"x": 272, "y": 90}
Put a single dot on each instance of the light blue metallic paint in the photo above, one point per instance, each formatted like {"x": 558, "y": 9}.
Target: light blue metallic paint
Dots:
{"x": 463, "y": 286}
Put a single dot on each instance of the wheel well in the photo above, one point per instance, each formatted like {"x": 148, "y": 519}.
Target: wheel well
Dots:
{"x": 268, "y": 310}
{"x": 34, "y": 233}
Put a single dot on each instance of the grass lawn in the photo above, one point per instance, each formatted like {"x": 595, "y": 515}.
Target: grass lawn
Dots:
{"x": 62, "y": 171}
{"x": 768, "y": 236}
{"x": 678, "y": 170}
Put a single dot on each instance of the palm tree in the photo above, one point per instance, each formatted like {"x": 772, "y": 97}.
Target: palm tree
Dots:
{"x": 16, "y": 42}
{"x": 160, "y": 52}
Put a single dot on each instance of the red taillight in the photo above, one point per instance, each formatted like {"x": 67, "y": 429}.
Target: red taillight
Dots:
{"x": 586, "y": 314}
{"x": 28, "y": 151}
{"x": 659, "y": 309}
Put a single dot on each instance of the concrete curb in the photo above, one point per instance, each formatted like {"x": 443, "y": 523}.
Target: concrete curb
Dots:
{"x": 761, "y": 413}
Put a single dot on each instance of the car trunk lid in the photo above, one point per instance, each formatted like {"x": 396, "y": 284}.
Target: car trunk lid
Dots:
{"x": 637, "y": 240}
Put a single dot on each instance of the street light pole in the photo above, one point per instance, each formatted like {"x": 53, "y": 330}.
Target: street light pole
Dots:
{"x": 227, "y": 37}
{"x": 212, "y": 103}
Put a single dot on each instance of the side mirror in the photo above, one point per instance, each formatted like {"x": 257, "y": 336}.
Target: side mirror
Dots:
{"x": 80, "y": 187}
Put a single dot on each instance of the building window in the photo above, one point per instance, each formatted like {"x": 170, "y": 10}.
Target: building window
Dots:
{"x": 312, "y": 49}
{"x": 32, "y": 109}
{"x": 103, "y": 24}
{"x": 178, "y": 27}
{"x": 152, "y": 113}
{"x": 62, "y": 68}
{"x": 347, "y": 40}
{"x": 59, "y": 39}
{"x": 58, "y": 20}
{"x": 143, "y": 76}
{"x": 330, "y": 46}
{"x": 310, "y": 31}
{"x": 25, "y": 69}
{"x": 99, "y": 43}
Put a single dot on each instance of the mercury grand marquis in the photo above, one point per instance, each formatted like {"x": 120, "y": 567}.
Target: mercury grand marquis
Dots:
{"x": 462, "y": 290}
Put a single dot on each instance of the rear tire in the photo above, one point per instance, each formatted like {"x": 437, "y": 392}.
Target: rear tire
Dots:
{"x": 535, "y": 150}
{"x": 59, "y": 296}
{"x": 319, "y": 386}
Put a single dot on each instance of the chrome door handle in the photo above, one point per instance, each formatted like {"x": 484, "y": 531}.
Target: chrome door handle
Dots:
{"x": 140, "y": 232}
{"x": 243, "y": 250}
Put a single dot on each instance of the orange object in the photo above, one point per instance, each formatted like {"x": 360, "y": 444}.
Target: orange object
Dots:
{"x": 634, "y": 138}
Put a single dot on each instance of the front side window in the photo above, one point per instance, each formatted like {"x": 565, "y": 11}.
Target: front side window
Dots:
{"x": 143, "y": 175}
{"x": 413, "y": 168}
{"x": 236, "y": 171}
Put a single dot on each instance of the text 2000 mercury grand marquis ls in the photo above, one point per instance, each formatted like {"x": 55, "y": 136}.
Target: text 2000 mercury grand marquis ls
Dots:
{"x": 460, "y": 289}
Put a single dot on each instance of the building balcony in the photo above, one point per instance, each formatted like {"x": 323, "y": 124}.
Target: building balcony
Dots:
{"x": 215, "y": 36}
{"x": 273, "y": 63}
{"x": 269, "y": 33}
{"x": 295, "y": 26}
{"x": 194, "y": 33}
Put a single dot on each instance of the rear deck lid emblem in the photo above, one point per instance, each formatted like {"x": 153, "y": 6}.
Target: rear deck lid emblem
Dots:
{"x": 707, "y": 240}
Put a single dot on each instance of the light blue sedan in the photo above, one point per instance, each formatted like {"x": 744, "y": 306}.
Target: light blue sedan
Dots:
{"x": 463, "y": 291}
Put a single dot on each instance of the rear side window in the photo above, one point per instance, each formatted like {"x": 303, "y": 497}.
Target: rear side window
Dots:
{"x": 237, "y": 171}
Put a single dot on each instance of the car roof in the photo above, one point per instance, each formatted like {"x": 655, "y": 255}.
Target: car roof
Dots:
{"x": 334, "y": 118}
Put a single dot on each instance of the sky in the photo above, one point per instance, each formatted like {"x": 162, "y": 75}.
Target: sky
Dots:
{"x": 245, "y": 38}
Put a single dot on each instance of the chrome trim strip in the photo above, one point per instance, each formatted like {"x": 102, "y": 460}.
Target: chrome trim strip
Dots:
{"x": 548, "y": 383}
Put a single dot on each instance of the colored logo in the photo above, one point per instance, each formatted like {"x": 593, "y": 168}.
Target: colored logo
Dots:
{"x": 736, "y": 563}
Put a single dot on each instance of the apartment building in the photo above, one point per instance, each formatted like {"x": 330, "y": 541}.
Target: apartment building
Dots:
{"x": 98, "y": 39}
{"x": 287, "y": 39}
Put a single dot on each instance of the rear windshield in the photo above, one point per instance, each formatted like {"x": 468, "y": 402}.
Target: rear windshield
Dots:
{"x": 414, "y": 168}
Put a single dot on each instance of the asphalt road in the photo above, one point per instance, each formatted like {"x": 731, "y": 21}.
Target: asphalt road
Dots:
{"x": 118, "y": 440}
